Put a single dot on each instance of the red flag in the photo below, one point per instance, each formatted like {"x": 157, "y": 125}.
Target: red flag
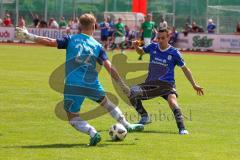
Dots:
{"x": 139, "y": 6}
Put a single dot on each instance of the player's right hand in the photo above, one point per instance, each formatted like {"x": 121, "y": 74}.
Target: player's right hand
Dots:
{"x": 21, "y": 33}
{"x": 199, "y": 90}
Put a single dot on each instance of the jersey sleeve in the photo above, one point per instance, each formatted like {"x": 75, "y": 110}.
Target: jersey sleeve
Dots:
{"x": 62, "y": 43}
{"x": 147, "y": 49}
{"x": 102, "y": 56}
{"x": 179, "y": 59}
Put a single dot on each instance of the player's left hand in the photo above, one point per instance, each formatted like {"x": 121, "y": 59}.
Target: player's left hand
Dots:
{"x": 199, "y": 90}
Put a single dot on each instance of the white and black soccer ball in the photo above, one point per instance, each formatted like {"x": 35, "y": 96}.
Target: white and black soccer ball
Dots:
{"x": 117, "y": 132}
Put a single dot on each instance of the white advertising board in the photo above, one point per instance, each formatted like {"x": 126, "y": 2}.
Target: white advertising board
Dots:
{"x": 216, "y": 42}
{"x": 7, "y": 34}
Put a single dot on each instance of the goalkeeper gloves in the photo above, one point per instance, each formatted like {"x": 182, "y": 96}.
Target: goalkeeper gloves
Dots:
{"x": 22, "y": 33}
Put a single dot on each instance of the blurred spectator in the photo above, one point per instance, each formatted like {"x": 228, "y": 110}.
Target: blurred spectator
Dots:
{"x": 68, "y": 31}
{"x": 75, "y": 24}
{"x": 163, "y": 24}
{"x": 147, "y": 30}
{"x": 211, "y": 26}
{"x": 173, "y": 36}
{"x": 7, "y": 22}
{"x": 119, "y": 35}
{"x": 187, "y": 29}
{"x": 111, "y": 26}
{"x": 21, "y": 22}
{"x": 196, "y": 28}
{"x": 110, "y": 31}
{"x": 104, "y": 27}
{"x": 70, "y": 22}
{"x": 132, "y": 36}
{"x": 62, "y": 23}
{"x": 53, "y": 23}
{"x": 238, "y": 28}
{"x": 1, "y": 22}
{"x": 42, "y": 24}
{"x": 127, "y": 30}
{"x": 36, "y": 21}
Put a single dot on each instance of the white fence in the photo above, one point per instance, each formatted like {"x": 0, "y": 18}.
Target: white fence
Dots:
{"x": 8, "y": 33}
{"x": 214, "y": 42}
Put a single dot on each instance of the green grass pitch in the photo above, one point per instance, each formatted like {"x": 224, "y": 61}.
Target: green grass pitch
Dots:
{"x": 30, "y": 130}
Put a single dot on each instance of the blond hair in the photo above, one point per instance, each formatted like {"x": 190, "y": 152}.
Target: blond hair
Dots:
{"x": 87, "y": 21}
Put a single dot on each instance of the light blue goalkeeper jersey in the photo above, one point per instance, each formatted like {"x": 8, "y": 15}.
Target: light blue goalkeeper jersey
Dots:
{"x": 82, "y": 54}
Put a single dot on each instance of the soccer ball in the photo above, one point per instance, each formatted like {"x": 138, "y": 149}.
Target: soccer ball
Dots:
{"x": 117, "y": 132}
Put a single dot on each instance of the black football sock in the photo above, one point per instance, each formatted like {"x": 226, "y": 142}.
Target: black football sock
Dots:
{"x": 179, "y": 118}
{"x": 139, "y": 107}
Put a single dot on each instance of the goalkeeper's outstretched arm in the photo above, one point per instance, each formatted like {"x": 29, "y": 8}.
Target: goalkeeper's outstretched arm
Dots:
{"x": 22, "y": 33}
{"x": 46, "y": 41}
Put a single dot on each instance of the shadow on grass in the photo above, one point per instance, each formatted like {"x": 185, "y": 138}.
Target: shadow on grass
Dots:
{"x": 149, "y": 131}
{"x": 47, "y": 146}
{"x": 157, "y": 132}
{"x": 102, "y": 131}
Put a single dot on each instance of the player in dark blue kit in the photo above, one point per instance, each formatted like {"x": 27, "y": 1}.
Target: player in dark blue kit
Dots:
{"x": 160, "y": 80}
{"x": 104, "y": 27}
{"x": 83, "y": 53}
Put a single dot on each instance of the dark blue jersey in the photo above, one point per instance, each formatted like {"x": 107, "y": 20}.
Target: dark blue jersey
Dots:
{"x": 162, "y": 62}
{"x": 104, "y": 26}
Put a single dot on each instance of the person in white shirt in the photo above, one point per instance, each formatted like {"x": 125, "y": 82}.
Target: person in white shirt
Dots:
{"x": 53, "y": 23}
{"x": 75, "y": 24}
{"x": 163, "y": 24}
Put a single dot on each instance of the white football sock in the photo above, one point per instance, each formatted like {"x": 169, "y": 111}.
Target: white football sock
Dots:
{"x": 115, "y": 112}
{"x": 83, "y": 126}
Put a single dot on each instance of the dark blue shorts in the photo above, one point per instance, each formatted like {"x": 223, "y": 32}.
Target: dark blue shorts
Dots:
{"x": 104, "y": 38}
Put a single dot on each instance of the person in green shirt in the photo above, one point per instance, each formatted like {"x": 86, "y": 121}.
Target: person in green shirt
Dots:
{"x": 62, "y": 23}
{"x": 120, "y": 34}
{"x": 147, "y": 29}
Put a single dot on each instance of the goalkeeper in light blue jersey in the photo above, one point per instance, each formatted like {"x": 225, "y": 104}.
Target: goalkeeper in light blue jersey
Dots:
{"x": 83, "y": 52}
